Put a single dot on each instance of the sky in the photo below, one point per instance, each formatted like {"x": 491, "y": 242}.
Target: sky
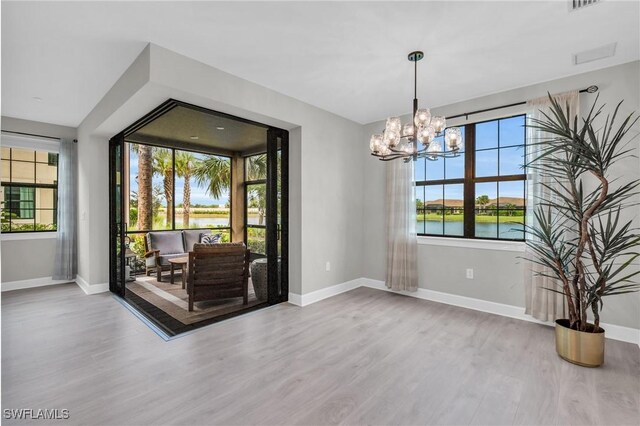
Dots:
{"x": 198, "y": 194}
{"x": 494, "y": 140}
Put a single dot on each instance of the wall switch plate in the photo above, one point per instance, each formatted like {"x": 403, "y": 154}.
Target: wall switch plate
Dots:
{"x": 470, "y": 273}
{"x": 327, "y": 267}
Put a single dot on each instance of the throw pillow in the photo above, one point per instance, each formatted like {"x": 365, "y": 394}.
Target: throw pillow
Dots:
{"x": 210, "y": 238}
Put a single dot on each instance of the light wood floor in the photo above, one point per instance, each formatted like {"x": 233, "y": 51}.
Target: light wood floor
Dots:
{"x": 363, "y": 357}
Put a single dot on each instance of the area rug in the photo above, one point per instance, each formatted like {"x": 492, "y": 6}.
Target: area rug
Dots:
{"x": 173, "y": 299}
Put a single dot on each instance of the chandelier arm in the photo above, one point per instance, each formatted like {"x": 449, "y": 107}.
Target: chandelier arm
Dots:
{"x": 392, "y": 158}
{"x": 436, "y": 155}
{"x": 397, "y": 151}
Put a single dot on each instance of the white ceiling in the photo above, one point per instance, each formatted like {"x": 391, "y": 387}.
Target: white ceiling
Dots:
{"x": 346, "y": 57}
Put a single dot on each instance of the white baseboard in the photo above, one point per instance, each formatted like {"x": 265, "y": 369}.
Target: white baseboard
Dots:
{"x": 34, "y": 282}
{"x": 318, "y": 295}
{"x": 295, "y": 299}
{"x": 624, "y": 334}
{"x": 615, "y": 332}
{"x": 91, "y": 288}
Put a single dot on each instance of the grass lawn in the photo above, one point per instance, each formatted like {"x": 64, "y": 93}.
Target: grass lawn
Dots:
{"x": 460, "y": 218}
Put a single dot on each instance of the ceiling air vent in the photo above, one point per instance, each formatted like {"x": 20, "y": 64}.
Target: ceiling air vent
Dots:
{"x": 579, "y": 4}
{"x": 601, "y": 52}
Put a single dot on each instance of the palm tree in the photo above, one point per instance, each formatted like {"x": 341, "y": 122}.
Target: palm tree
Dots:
{"x": 163, "y": 166}
{"x": 214, "y": 173}
{"x": 186, "y": 163}
{"x": 510, "y": 208}
{"x": 258, "y": 199}
{"x": 257, "y": 170}
{"x": 145, "y": 186}
{"x": 482, "y": 200}
{"x": 257, "y": 167}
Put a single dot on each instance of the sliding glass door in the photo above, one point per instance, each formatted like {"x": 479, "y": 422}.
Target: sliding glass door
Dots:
{"x": 277, "y": 232}
{"x": 117, "y": 225}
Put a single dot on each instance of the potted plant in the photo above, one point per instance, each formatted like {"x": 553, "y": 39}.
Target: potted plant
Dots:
{"x": 579, "y": 235}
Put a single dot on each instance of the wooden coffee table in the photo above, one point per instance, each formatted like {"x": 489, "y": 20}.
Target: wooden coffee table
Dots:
{"x": 182, "y": 262}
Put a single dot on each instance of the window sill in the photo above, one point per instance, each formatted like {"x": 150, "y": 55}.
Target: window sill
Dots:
{"x": 516, "y": 246}
{"x": 28, "y": 236}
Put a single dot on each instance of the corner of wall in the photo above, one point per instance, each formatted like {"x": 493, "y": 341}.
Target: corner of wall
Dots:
{"x": 91, "y": 288}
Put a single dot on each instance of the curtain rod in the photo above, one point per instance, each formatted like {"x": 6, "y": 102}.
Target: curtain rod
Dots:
{"x": 590, "y": 89}
{"x": 35, "y": 135}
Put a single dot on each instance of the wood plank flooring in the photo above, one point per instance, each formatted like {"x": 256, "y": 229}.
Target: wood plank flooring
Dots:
{"x": 363, "y": 357}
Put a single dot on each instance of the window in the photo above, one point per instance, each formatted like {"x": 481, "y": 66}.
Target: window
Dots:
{"x": 255, "y": 173}
{"x": 171, "y": 189}
{"x": 29, "y": 193}
{"x": 480, "y": 193}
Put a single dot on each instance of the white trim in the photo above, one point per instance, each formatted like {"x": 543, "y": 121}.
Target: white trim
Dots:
{"x": 30, "y": 142}
{"x": 318, "y": 295}
{"x": 17, "y": 236}
{"x": 615, "y": 332}
{"x": 471, "y": 243}
{"x": 455, "y": 300}
{"x": 624, "y": 334}
{"x": 295, "y": 299}
{"x": 91, "y": 288}
{"x": 31, "y": 283}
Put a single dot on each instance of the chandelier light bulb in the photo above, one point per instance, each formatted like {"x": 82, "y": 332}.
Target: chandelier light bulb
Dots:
{"x": 391, "y": 138}
{"x": 375, "y": 143}
{"x": 426, "y": 135}
{"x": 407, "y": 130}
{"x": 422, "y": 117}
{"x": 438, "y": 123}
{"x": 434, "y": 148}
{"x": 453, "y": 138}
{"x": 394, "y": 125}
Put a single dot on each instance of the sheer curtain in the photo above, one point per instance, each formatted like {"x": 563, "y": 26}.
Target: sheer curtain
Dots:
{"x": 65, "y": 257}
{"x": 402, "y": 243}
{"x": 540, "y": 303}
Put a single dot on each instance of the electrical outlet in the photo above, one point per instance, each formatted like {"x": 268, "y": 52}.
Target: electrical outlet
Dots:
{"x": 469, "y": 273}
{"x": 327, "y": 267}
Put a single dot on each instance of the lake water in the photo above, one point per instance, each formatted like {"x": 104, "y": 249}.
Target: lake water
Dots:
{"x": 483, "y": 230}
{"x": 213, "y": 221}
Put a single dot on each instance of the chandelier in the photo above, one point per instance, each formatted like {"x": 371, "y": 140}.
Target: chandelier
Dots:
{"x": 416, "y": 139}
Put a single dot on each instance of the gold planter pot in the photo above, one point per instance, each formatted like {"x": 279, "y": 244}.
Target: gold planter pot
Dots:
{"x": 579, "y": 347}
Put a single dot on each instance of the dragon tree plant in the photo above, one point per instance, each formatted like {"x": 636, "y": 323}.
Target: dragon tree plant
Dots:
{"x": 579, "y": 234}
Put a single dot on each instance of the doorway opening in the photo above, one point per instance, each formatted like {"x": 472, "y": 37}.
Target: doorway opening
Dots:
{"x": 191, "y": 190}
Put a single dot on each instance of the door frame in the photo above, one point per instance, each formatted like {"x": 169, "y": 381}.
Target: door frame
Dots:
{"x": 116, "y": 228}
{"x": 278, "y": 276}
{"x": 278, "y": 292}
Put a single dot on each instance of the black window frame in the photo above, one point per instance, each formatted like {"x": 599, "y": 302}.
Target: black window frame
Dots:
{"x": 247, "y": 185}
{"x": 173, "y": 149}
{"x": 470, "y": 180}
{"x": 35, "y": 186}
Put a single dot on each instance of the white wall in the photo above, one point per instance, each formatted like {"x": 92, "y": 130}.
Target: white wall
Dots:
{"x": 326, "y": 199}
{"x": 499, "y": 274}
{"x": 30, "y": 259}
{"x": 336, "y": 188}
